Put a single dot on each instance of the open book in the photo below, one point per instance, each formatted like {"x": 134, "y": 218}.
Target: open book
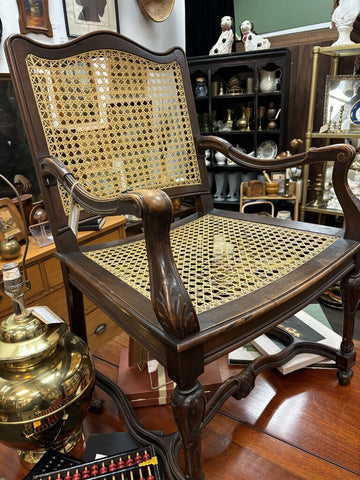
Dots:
{"x": 310, "y": 324}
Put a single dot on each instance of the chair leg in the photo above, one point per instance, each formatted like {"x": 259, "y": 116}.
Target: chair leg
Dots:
{"x": 188, "y": 406}
{"x": 350, "y": 291}
{"x": 75, "y": 304}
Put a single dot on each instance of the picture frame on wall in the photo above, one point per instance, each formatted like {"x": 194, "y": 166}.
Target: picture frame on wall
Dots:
{"x": 11, "y": 224}
{"x": 84, "y": 16}
{"x": 34, "y": 17}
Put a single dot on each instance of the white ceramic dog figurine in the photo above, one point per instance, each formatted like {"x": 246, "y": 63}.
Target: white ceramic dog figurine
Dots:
{"x": 226, "y": 39}
{"x": 250, "y": 39}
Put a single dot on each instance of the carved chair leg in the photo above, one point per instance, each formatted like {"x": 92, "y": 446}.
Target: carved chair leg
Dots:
{"x": 188, "y": 406}
{"x": 350, "y": 291}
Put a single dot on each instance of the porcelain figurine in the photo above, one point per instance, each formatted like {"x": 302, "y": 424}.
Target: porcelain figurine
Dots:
{"x": 250, "y": 39}
{"x": 226, "y": 39}
{"x": 343, "y": 17}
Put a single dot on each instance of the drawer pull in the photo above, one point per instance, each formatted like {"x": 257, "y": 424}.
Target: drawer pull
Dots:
{"x": 100, "y": 328}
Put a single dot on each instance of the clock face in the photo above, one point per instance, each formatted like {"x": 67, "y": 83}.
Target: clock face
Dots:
{"x": 355, "y": 113}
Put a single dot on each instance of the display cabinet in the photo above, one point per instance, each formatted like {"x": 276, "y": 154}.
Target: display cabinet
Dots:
{"x": 339, "y": 121}
{"x": 241, "y": 97}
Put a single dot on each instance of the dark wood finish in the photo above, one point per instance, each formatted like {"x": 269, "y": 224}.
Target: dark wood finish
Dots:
{"x": 255, "y": 436}
{"x": 169, "y": 326}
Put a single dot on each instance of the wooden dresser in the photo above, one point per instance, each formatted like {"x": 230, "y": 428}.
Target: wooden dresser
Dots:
{"x": 44, "y": 272}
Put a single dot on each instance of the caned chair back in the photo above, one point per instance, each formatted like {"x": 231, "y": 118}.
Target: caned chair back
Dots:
{"x": 117, "y": 121}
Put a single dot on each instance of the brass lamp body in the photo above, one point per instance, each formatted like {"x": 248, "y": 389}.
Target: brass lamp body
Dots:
{"x": 46, "y": 382}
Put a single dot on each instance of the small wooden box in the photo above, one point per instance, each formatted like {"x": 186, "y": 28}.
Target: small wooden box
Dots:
{"x": 255, "y": 188}
{"x": 136, "y": 384}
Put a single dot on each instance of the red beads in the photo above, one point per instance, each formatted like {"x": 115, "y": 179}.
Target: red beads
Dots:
{"x": 129, "y": 462}
{"x": 103, "y": 469}
{"x": 77, "y": 475}
{"x": 138, "y": 458}
{"x": 150, "y": 476}
{"x": 85, "y": 474}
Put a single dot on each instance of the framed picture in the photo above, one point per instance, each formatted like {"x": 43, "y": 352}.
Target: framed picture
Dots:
{"x": 279, "y": 177}
{"x": 342, "y": 104}
{"x": 34, "y": 17}
{"x": 84, "y": 16}
{"x": 11, "y": 224}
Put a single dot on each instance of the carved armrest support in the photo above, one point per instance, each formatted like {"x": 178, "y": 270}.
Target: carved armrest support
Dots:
{"x": 170, "y": 300}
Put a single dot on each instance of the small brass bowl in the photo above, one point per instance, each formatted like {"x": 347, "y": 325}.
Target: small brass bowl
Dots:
{"x": 272, "y": 188}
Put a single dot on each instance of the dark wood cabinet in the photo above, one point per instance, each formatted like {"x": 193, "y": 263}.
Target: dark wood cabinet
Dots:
{"x": 238, "y": 106}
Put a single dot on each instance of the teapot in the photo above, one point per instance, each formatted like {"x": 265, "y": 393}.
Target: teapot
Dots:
{"x": 268, "y": 79}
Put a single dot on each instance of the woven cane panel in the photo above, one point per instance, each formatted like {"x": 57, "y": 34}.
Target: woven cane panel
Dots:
{"x": 219, "y": 259}
{"x": 117, "y": 121}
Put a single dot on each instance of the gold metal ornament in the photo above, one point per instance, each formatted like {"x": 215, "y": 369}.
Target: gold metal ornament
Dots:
{"x": 46, "y": 378}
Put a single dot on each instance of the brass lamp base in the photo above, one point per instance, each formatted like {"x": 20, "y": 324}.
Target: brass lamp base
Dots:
{"x": 72, "y": 445}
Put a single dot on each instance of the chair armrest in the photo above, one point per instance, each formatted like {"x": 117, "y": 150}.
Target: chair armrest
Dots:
{"x": 171, "y": 302}
{"x": 341, "y": 154}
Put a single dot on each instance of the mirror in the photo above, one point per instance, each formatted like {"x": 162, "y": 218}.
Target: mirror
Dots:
{"x": 342, "y": 104}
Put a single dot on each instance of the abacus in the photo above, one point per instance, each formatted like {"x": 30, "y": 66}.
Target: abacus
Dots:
{"x": 141, "y": 464}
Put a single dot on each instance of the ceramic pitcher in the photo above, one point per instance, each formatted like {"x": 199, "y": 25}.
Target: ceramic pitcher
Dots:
{"x": 268, "y": 79}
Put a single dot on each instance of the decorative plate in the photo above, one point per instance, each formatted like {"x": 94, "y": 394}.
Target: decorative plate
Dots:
{"x": 355, "y": 113}
{"x": 267, "y": 149}
{"x": 157, "y": 10}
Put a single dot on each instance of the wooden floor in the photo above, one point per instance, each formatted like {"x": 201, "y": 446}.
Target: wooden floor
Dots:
{"x": 300, "y": 426}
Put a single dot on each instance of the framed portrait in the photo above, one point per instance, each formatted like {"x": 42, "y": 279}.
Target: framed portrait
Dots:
{"x": 84, "y": 16}
{"x": 342, "y": 104}
{"x": 11, "y": 224}
{"x": 34, "y": 17}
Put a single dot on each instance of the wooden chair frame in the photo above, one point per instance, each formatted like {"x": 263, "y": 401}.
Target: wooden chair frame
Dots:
{"x": 169, "y": 325}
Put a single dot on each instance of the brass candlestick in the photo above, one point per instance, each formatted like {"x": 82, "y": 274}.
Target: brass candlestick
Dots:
{"x": 287, "y": 188}
{"x": 248, "y": 112}
{"x": 318, "y": 188}
{"x": 261, "y": 113}
{"x": 341, "y": 118}
{"x": 330, "y": 117}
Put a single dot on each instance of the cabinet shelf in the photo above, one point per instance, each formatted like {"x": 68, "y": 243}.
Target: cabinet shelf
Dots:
{"x": 340, "y": 50}
{"x": 323, "y": 210}
{"x": 293, "y": 197}
{"x": 339, "y": 135}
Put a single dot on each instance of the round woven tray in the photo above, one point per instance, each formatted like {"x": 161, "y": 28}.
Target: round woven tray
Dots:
{"x": 157, "y": 10}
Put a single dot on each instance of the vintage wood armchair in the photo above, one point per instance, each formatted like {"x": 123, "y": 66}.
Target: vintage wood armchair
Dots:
{"x": 113, "y": 126}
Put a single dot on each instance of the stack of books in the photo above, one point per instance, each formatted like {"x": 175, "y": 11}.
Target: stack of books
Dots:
{"x": 310, "y": 324}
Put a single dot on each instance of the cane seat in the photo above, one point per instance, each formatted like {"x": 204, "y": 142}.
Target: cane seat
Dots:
{"x": 113, "y": 130}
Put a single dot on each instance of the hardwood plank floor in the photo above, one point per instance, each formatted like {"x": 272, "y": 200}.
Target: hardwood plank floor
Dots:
{"x": 300, "y": 426}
